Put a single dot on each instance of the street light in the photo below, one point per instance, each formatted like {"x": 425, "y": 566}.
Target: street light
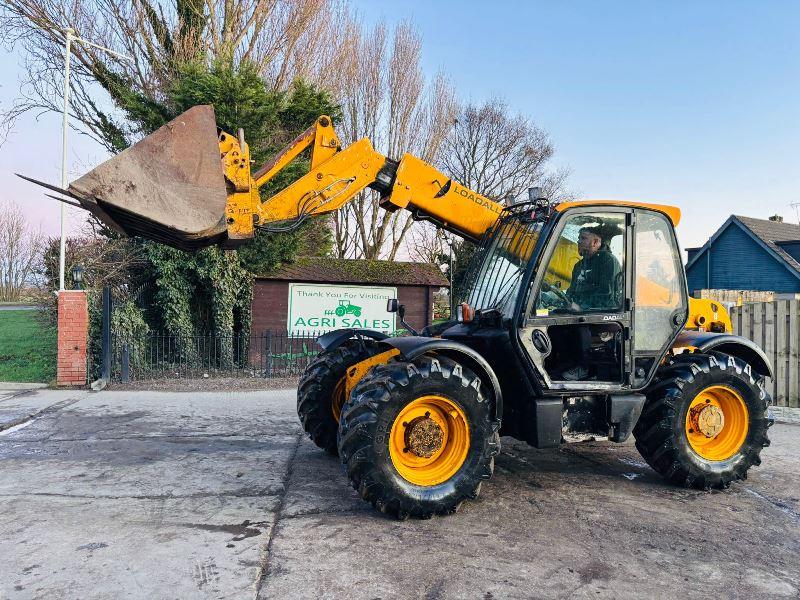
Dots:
{"x": 70, "y": 35}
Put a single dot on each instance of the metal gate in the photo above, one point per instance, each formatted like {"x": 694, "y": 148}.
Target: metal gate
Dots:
{"x": 128, "y": 355}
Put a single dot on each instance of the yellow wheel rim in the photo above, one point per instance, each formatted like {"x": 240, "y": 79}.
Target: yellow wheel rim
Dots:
{"x": 429, "y": 440}
{"x": 717, "y": 423}
{"x": 337, "y": 400}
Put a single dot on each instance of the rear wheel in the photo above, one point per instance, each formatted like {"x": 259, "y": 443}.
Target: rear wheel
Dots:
{"x": 320, "y": 394}
{"x": 705, "y": 421}
{"x": 417, "y": 438}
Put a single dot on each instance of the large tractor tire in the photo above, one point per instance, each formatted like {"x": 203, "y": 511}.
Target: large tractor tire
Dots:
{"x": 705, "y": 420}
{"x": 418, "y": 438}
{"x": 320, "y": 394}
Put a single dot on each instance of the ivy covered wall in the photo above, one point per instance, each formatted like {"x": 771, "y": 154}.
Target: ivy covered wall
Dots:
{"x": 210, "y": 290}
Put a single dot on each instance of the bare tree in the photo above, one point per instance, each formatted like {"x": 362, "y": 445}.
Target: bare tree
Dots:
{"x": 20, "y": 252}
{"x": 285, "y": 39}
{"x": 114, "y": 262}
{"x": 385, "y": 97}
{"x": 427, "y": 243}
{"x": 500, "y": 155}
{"x": 111, "y": 262}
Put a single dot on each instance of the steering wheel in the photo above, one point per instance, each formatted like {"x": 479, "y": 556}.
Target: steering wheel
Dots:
{"x": 547, "y": 287}
{"x": 567, "y": 305}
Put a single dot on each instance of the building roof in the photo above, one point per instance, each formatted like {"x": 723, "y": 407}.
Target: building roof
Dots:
{"x": 768, "y": 234}
{"x": 324, "y": 269}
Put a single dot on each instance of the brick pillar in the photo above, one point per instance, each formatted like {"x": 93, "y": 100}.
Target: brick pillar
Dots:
{"x": 73, "y": 333}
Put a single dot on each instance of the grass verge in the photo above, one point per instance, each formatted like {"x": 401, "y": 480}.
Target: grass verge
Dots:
{"x": 27, "y": 347}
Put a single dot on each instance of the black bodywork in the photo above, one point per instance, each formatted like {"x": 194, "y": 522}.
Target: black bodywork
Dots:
{"x": 507, "y": 347}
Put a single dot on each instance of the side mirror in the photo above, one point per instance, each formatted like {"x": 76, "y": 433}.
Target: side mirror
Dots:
{"x": 393, "y": 306}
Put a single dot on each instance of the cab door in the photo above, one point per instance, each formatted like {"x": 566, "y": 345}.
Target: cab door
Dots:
{"x": 660, "y": 303}
{"x": 578, "y": 320}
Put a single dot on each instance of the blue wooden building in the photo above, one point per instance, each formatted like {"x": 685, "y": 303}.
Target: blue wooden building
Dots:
{"x": 747, "y": 254}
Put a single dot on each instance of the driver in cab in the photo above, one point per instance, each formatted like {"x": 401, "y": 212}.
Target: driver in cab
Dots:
{"x": 595, "y": 276}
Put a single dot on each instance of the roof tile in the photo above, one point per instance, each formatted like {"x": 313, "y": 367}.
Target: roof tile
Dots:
{"x": 771, "y": 232}
{"x": 336, "y": 270}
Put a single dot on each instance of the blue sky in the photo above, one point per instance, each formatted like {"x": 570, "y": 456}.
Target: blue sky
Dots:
{"x": 687, "y": 103}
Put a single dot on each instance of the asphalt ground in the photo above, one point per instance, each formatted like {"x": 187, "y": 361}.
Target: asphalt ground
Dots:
{"x": 218, "y": 495}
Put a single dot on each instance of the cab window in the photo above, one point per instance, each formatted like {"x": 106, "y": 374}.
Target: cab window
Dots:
{"x": 585, "y": 272}
{"x": 659, "y": 283}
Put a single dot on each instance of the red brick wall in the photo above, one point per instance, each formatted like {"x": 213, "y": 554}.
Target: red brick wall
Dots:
{"x": 73, "y": 330}
{"x": 271, "y": 304}
{"x": 418, "y": 301}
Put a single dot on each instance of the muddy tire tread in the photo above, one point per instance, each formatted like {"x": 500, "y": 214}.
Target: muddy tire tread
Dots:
{"x": 317, "y": 384}
{"x": 360, "y": 416}
{"x": 655, "y": 432}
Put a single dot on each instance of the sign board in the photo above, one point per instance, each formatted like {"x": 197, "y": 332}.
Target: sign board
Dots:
{"x": 317, "y": 308}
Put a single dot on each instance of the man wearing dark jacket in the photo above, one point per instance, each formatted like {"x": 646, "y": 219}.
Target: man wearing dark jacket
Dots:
{"x": 595, "y": 276}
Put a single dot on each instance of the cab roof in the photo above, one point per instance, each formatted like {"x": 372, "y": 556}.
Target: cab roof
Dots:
{"x": 673, "y": 212}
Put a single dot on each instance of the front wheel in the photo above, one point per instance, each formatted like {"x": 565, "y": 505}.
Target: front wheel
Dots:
{"x": 705, "y": 420}
{"x": 320, "y": 393}
{"x": 418, "y": 438}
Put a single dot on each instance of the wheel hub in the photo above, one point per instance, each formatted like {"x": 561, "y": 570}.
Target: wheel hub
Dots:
{"x": 424, "y": 437}
{"x": 429, "y": 440}
{"x": 708, "y": 420}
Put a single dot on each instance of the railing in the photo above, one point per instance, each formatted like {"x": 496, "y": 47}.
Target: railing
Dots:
{"x": 775, "y": 327}
{"x": 160, "y": 355}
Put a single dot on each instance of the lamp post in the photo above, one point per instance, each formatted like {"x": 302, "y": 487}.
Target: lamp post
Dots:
{"x": 70, "y": 37}
{"x": 77, "y": 277}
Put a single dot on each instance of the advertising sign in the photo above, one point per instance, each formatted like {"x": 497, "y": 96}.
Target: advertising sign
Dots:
{"x": 317, "y": 308}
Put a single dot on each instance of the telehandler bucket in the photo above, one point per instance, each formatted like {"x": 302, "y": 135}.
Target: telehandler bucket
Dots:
{"x": 168, "y": 187}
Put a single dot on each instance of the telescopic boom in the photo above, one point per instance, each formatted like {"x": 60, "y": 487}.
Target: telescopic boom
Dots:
{"x": 190, "y": 185}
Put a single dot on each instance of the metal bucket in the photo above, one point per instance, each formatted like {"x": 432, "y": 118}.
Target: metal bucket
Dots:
{"x": 168, "y": 187}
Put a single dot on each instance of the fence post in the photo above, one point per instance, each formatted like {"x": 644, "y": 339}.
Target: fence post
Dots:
{"x": 768, "y": 346}
{"x": 105, "y": 349}
{"x": 782, "y": 333}
{"x": 793, "y": 344}
{"x": 269, "y": 354}
{"x": 126, "y": 365}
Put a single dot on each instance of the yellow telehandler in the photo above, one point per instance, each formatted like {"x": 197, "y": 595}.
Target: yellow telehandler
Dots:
{"x": 577, "y": 324}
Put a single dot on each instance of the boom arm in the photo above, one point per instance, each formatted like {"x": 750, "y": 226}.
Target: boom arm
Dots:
{"x": 336, "y": 176}
{"x": 171, "y": 186}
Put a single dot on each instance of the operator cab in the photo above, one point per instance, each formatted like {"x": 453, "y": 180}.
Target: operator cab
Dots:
{"x": 608, "y": 298}
{"x": 593, "y": 292}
